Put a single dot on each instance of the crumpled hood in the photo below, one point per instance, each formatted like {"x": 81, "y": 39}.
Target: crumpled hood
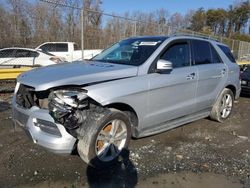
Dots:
{"x": 77, "y": 73}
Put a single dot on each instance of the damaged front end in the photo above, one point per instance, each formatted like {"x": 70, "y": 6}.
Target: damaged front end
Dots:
{"x": 67, "y": 106}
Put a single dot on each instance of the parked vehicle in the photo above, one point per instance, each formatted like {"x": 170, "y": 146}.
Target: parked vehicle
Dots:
{"x": 138, "y": 87}
{"x": 245, "y": 80}
{"x": 67, "y": 50}
{"x": 17, "y": 57}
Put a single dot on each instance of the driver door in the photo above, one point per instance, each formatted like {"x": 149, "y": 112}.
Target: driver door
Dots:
{"x": 172, "y": 95}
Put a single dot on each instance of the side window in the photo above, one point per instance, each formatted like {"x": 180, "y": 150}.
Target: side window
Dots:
{"x": 178, "y": 54}
{"x": 61, "y": 47}
{"x": 76, "y": 47}
{"x": 48, "y": 47}
{"x": 215, "y": 56}
{"x": 22, "y": 53}
{"x": 57, "y": 47}
{"x": 34, "y": 54}
{"x": 8, "y": 53}
{"x": 202, "y": 54}
{"x": 228, "y": 53}
{"x": 26, "y": 53}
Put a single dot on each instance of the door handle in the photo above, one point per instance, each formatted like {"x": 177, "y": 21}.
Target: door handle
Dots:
{"x": 191, "y": 76}
{"x": 223, "y": 71}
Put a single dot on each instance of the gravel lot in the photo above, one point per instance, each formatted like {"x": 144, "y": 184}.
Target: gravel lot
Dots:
{"x": 200, "y": 154}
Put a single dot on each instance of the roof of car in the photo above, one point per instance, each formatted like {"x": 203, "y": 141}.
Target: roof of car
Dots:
{"x": 18, "y": 48}
{"x": 187, "y": 36}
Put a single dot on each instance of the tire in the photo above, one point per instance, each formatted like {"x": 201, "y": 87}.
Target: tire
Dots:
{"x": 99, "y": 145}
{"x": 223, "y": 106}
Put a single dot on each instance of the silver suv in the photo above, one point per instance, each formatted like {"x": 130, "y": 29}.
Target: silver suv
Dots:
{"x": 138, "y": 87}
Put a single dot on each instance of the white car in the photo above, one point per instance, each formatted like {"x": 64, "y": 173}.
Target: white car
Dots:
{"x": 17, "y": 57}
{"x": 68, "y": 50}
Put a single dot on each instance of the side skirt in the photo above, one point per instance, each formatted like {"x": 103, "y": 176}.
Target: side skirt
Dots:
{"x": 155, "y": 129}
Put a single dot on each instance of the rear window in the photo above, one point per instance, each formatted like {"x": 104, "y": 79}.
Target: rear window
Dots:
{"x": 228, "y": 53}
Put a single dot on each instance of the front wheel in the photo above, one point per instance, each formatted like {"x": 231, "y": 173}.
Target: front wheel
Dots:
{"x": 223, "y": 106}
{"x": 104, "y": 140}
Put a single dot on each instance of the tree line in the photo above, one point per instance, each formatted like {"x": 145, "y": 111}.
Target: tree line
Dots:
{"x": 28, "y": 23}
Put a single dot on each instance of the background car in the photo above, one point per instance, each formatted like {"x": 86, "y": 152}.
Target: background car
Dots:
{"x": 17, "y": 57}
{"x": 245, "y": 80}
{"x": 68, "y": 50}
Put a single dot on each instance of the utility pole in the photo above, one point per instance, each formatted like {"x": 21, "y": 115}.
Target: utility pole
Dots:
{"x": 82, "y": 29}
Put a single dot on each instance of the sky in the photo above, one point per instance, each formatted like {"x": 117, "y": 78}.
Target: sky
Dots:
{"x": 173, "y": 6}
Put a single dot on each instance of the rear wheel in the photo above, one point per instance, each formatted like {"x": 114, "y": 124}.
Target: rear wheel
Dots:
{"x": 105, "y": 139}
{"x": 223, "y": 106}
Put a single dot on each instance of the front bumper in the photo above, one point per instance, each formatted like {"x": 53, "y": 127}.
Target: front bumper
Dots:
{"x": 43, "y": 130}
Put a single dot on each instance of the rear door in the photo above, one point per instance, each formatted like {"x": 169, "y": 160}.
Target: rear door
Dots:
{"x": 172, "y": 94}
{"x": 24, "y": 57}
{"x": 212, "y": 73}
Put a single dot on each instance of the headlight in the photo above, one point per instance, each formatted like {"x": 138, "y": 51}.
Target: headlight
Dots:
{"x": 71, "y": 97}
{"x": 65, "y": 106}
{"x": 243, "y": 82}
{"x": 17, "y": 87}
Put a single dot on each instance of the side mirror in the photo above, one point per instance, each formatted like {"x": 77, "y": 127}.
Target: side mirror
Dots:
{"x": 163, "y": 65}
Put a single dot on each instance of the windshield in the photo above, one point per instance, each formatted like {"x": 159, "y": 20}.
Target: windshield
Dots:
{"x": 130, "y": 51}
{"x": 247, "y": 69}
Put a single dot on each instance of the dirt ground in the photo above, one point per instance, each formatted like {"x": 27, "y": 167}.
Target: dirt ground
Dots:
{"x": 200, "y": 154}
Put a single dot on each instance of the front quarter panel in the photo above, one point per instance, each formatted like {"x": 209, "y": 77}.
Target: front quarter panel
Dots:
{"x": 131, "y": 91}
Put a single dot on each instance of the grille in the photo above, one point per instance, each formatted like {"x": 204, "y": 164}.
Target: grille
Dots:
{"x": 25, "y": 96}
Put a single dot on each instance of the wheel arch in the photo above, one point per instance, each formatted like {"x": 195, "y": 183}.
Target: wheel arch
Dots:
{"x": 133, "y": 117}
{"x": 232, "y": 88}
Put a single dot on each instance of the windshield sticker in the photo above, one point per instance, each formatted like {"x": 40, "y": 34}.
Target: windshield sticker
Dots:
{"x": 148, "y": 43}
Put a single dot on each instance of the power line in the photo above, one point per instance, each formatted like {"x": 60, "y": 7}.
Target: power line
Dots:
{"x": 60, "y": 3}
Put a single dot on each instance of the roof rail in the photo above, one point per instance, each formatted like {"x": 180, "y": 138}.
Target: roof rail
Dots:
{"x": 194, "y": 35}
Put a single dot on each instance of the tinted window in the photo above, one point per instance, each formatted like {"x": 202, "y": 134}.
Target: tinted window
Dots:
{"x": 58, "y": 47}
{"x": 76, "y": 47}
{"x": 34, "y": 54}
{"x": 25, "y": 53}
{"x": 178, "y": 54}
{"x": 134, "y": 51}
{"x": 48, "y": 48}
{"x": 61, "y": 47}
{"x": 202, "y": 54}
{"x": 6, "y": 53}
{"x": 215, "y": 56}
{"x": 247, "y": 70}
{"x": 228, "y": 53}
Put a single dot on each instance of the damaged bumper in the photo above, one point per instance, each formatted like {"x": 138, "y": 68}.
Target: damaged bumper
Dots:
{"x": 42, "y": 129}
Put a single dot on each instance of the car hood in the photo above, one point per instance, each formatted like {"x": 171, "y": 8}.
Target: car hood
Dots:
{"x": 77, "y": 73}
